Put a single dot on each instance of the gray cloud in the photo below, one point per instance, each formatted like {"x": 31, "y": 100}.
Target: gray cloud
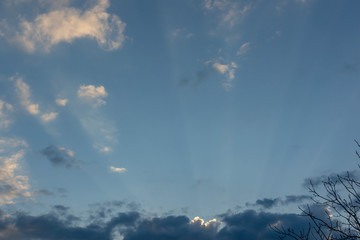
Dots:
{"x": 317, "y": 181}
{"x": 60, "y": 156}
{"x": 268, "y": 203}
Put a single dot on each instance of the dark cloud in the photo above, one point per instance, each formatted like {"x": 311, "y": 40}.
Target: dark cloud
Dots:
{"x": 319, "y": 180}
{"x": 60, "y": 156}
{"x": 61, "y": 225}
{"x": 200, "y": 77}
{"x": 267, "y": 203}
{"x": 51, "y": 226}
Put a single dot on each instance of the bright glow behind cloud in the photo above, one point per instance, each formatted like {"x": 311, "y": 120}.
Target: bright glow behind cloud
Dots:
{"x": 67, "y": 24}
{"x": 117, "y": 170}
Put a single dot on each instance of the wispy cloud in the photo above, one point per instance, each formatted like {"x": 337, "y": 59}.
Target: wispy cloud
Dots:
{"x": 117, "y": 170}
{"x": 60, "y": 156}
{"x": 245, "y": 47}
{"x": 65, "y": 24}
{"x": 5, "y": 109}
{"x": 24, "y": 94}
{"x": 93, "y": 94}
{"x": 231, "y": 11}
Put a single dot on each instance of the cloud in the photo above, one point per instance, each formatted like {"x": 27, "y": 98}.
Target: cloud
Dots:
{"x": 49, "y": 116}
{"x": 60, "y": 156}
{"x": 212, "y": 67}
{"x": 5, "y": 109}
{"x": 230, "y": 10}
{"x": 228, "y": 70}
{"x": 61, "y": 102}
{"x": 24, "y": 93}
{"x": 92, "y": 94}
{"x": 9, "y": 144}
{"x": 318, "y": 180}
{"x": 12, "y": 184}
{"x": 117, "y": 170}
{"x": 59, "y": 223}
{"x": 245, "y": 47}
{"x": 181, "y": 32}
{"x": 65, "y": 24}
{"x": 268, "y": 203}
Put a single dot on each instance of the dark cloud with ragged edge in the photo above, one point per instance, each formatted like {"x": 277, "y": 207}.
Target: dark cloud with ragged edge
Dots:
{"x": 60, "y": 156}
{"x": 319, "y": 180}
{"x": 268, "y": 203}
{"x": 60, "y": 225}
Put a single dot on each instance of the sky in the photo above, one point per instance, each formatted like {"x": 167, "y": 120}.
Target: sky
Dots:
{"x": 200, "y": 117}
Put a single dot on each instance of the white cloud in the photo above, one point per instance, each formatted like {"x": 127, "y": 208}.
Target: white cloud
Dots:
{"x": 118, "y": 170}
{"x": 221, "y": 68}
{"x": 61, "y": 102}
{"x": 23, "y": 91}
{"x": 228, "y": 70}
{"x": 12, "y": 184}
{"x": 66, "y": 24}
{"x": 93, "y": 94}
{"x": 245, "y": 47}
{"x": 49, "y": 116}
{"x": 5, "y": 108}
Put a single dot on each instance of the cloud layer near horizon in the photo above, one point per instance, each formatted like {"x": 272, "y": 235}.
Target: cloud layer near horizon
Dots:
{"x": 62, "y": 224}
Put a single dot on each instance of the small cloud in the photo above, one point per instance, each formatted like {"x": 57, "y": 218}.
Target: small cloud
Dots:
{"x": 228, "y": 70}
{"x": 117, "y": 170}
{"x": 65, "y": 24}
{"x": 105, "y": 149}
{"x": 245, "y": 47}
{"x": 60, "y": 156}
{"x": 221, "y": 68}
{"x": 33, "y": 109}
{"x": 49, "y": 116}
{"x": 93, "y": 94}
{"x": 61, "y": 102}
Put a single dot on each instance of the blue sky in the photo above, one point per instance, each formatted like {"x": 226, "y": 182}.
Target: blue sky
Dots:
{"x": 174, "y": 107}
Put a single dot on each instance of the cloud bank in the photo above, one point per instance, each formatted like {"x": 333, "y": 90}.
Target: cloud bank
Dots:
{"x": 61, "y": 224}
